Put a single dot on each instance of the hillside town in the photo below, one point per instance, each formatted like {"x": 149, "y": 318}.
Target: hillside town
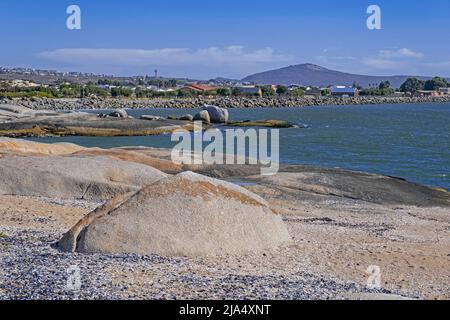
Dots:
{"x": 28, "y": 83}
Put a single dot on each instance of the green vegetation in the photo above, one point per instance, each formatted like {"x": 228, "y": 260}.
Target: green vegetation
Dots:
{"x": 384, "y": 85}
{"x": 169, "y": 88}
{"x": 7, "y": 91}
{"x": 384, "y": 89}
{"x": 282, "y": 90}
{"x": 224, "y": 92}
{"x": 326, "y": 92}
{"x": 377, "y": 92}
{"x": 298, "y": 92}
{"x": 268, "y": 91}
{"x": 435, "y": 84}
{"x": 121, "y": 92}
{"x": 412, "y": 85}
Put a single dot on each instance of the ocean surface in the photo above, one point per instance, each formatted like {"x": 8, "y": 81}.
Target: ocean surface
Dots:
{"x": 410, "y": 141}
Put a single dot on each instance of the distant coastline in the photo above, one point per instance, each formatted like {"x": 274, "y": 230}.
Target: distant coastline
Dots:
{"x": 224, "y": 102}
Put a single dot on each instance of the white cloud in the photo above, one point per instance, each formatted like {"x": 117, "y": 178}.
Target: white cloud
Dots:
{"x": 231, "y": 55}
{"x": 334, "y": 59}
{"x": 439, "y": 64}
{"x": 384, "y": 64}
{"x": 230, "y": 61}
{"x": 401, "y": 53}
{"x": 392, "y": 59}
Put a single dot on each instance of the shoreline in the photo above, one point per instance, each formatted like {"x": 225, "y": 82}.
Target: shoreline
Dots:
{"x": 337, "y": 232}
{"x": 223, "y": 102}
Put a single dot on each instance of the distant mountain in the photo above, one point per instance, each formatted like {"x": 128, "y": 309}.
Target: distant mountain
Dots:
{"x": 313, "y": 75}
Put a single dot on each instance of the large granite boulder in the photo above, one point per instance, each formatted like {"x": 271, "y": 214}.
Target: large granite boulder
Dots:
{"x": 183, "y": 215}
{"x": 216, "y": 114}
{"x": 72, "y": 177}
{"x": 203, "y": 116}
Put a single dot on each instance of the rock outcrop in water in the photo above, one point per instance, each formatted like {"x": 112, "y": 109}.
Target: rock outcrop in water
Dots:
{"x": 31, "y": 123}
{"x": 183, "y": 215}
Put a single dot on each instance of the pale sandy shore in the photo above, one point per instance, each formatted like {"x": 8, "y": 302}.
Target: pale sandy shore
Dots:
{"x": 334, "y": 244}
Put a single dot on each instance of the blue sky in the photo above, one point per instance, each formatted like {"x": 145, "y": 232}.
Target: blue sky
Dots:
{"x": 206, "y": 39}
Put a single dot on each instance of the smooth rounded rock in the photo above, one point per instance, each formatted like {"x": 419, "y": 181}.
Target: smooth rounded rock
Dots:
{"x": 202, "y": 116}
{"x": 216, "y": 114}
{"x": 183, "y": 215}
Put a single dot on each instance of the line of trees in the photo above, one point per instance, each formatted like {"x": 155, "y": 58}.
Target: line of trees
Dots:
{"x": 116, "y": 89}
{"x": 384, "y": 89}
{"x": 410, "y": 85}
{"x": 414, "y": 84}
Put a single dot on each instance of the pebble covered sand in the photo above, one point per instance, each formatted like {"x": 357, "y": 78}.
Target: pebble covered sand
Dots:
{"x": 32, "y": 268}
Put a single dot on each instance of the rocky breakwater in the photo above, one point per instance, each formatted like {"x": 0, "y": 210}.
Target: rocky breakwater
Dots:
{"x": 18, "y": 121}
{"x": 223, "y": 102}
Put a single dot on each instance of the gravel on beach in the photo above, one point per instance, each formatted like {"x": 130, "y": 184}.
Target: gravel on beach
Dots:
{"x": 33, "y": 269}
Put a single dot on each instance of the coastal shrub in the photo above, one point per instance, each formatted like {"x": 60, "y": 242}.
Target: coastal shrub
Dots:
{"x": 267, "y": 91}
{"x": 298, "y": 92}
{"x": 326, "y": 92}
{"x": 224, "y": 91}
{"x": 412, "y": 85}
{"x": 185, "y": 93}
{"x": 384, "y": 85}
{"x": 7, "y": 91}
{"x": 377, "y": 92}
{"x": 31, "y": 94}
{"x": 282, "y": 90}
{"x": 209, "y": 93}
{"x": 121, "y": 92}
{"x": 94, "y": 90}
{"x": 435, "y": 83}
